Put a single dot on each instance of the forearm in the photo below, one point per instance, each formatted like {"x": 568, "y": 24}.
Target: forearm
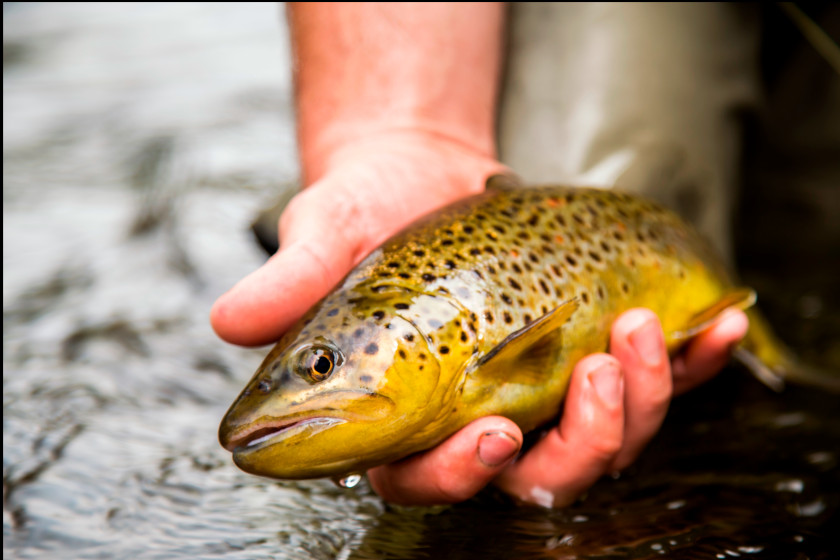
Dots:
{"x": 363, "y": 69}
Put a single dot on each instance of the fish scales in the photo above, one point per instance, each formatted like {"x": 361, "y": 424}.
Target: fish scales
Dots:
{"x": 481, "y": 308}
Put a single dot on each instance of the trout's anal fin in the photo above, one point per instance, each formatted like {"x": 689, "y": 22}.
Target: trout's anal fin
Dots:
{"x": 739, "y": 298}
{"x": 761, "y": 372}
{"x": 527, "y": 355}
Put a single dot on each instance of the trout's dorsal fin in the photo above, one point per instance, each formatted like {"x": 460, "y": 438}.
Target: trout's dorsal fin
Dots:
{"x": 738, "y": 298}
{"x": 525, "y": 356}
{"x": 503, "y": 182}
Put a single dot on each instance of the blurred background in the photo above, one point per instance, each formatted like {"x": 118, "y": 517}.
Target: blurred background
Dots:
{"x": 139, "y": 143}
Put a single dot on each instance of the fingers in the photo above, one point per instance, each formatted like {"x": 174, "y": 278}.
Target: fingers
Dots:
{"x": 453, "y": 471}
{"x": 709, "y": 352}
{"x": 638, "y": 343}
{"x": 319, "y": 247}
{"x": 573, "y": 456}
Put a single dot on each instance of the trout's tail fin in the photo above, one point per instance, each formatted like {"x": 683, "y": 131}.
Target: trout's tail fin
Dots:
{"x": 773, "y": 363}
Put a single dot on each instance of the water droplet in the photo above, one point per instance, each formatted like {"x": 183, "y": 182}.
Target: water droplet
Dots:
{"x": 348, "y": 481}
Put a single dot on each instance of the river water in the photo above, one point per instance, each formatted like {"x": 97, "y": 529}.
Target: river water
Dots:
{"x": 139, "y": 143}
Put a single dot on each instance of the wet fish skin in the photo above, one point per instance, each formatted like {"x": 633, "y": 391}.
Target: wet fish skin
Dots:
{"x": 481, "y": 308}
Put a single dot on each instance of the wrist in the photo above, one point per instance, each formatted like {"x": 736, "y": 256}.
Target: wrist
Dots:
{"x": 344, "y": 145}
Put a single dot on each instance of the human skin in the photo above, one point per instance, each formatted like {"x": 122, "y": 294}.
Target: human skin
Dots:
{"x": 396, "y": 105}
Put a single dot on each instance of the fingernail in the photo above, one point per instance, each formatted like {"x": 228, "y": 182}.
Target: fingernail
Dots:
{"x": 497, "y": 448}
{"x": 648, "y": 343}
{"x": 608, "y": 384}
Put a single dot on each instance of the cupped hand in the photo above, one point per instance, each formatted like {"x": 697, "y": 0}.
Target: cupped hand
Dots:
{"x": 369, "y": 191}
{"x": 615, "y": 404}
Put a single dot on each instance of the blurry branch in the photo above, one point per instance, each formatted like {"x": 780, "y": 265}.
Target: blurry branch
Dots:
{"x": 814, "y": 34}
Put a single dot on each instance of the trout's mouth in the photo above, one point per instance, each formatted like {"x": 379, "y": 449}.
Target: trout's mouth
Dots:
{"x": 270, "y": 433}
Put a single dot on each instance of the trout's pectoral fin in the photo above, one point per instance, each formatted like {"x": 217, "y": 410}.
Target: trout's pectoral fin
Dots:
{"x": 739, "y": 298}
{"x": 527, "y": 355}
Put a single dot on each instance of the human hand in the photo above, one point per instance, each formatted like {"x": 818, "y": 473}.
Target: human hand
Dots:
{"x": 369, "y": 190}
{"x": 615, "y": 404}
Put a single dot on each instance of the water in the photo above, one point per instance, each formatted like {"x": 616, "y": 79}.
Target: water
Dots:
{"x": 139, "y": 142}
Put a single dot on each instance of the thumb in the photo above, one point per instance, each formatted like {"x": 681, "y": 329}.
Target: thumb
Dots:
{"x": 318, "y": 250}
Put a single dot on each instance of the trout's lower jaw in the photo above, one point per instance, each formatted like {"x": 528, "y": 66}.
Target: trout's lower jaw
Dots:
{"x": 265, "y": 436}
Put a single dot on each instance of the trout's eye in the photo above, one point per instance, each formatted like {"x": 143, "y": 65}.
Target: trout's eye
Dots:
{"x": 318, "y": 362}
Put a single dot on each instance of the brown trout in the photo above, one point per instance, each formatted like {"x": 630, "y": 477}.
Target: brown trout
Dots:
{"x": 481, "y": 308}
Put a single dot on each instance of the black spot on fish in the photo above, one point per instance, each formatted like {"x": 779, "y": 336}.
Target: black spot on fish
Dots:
{"x": 527, "y": 319}
{"x": 600, "y": 292}
{"x": 533, "y": 220}
{"x": 571, "y": 260}
{"x": 475, "y": 251}
{"x": 605, "y": 246}
{"x": 544, "y": 286}
{"x": 491, "y": 269}
{"x": 404, "y": 275}
{"x": 477, "y": 273}
{"x": 409, "y": 337}
{"x": 419, "y": 253}
{"x": 444, "y": 349}
{"x": 534, "y": 258}
{"x": 585, "y": 297}
{"x": 516, "y": 268}
{"x": 507, "y": 317}
{"x": 595, "y": 256}
{"x": 401, "y": 352}
{"x": 332, "y": 312}
{"x": 401, "y": 305}
{"x": 489, "y": 250}
{"x": 428, "y": 277}
{"x": 371, "y": 349}
{"x": 378, "y": 314}
{"x": 446, "y": 242}
{"x": 421, "y": 355}
{"x": 393, "y": 264}
{"x": 514, "y": 284}
{"x": 523, "y": 235}
{"x": 358, "y": 333}
{"x": 488, "y": 316}
{"x": 463, "y": 336}
{"x": 468, "y": 229}
{"x": 506, "y": 299}
{"x": 625, "y": 288}
{"x": 449, "y": 264}
{"x": 264, "y": 385}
